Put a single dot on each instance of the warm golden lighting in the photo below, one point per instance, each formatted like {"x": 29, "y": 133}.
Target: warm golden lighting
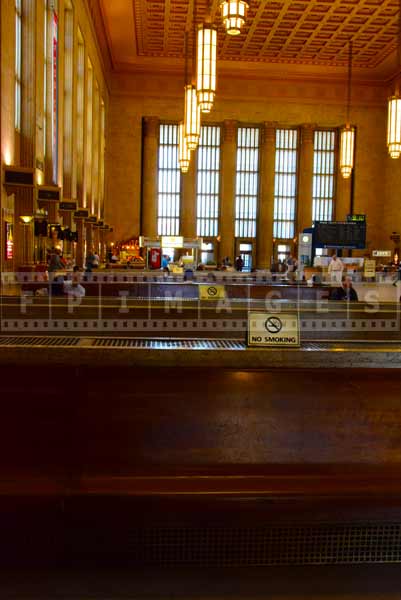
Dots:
{"x": 7, "y": 157}
{"x": 234, "y": 15}
{"x": 347, "y": 143}
{"x": 206, "y": 67}
{"x": 191, "y": 118}
{"x": 394, "y": 126}
{"x": 26, "y": 219}
{"x": 184, "y": 153}
{"x": 39, "y": 177}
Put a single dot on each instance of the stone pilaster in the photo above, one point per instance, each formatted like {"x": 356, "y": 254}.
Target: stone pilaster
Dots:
{"x": 264, "y": 240}
{"x": 228, "y": 177}
{"x": 25, "y": 199}
{"x": 188, "y": 207}
{"x": 95, "y": 150}
{"x": 305, "y": 177}
{"x": 80, "y": 249}
{"x": 343, "y": 194}
{"x": 149, "y": 199}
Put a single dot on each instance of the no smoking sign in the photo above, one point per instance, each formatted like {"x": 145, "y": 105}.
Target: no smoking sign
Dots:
{"x": 273, "y": 330}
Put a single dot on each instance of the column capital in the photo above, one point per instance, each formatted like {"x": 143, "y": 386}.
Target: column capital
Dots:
{"x": 230, "y": 130}
{"x": 269, "y": 131}
{"x": 307, "y": 132}
{"x": 151, "y": 126}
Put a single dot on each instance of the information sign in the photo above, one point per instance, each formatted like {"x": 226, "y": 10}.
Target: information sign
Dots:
{"x": 172, "y": 241}
{"x": 211, "y": 291}
{"x": 273, "y": 330}
{"x": 369, "y": 268}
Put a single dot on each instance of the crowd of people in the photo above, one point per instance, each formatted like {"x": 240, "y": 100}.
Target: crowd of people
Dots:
{"x": 71, "y": 284}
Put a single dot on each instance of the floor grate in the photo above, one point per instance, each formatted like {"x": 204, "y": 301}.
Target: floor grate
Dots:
{"x": 288, "y": 544}
{"x": 38, "y": 341}
{"x": 169, "y": 344}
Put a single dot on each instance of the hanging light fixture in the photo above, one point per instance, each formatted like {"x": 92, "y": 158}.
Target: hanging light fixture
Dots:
{"x": 184, "y": 153}
{"x": 192, "y": 117}
{"x": 206, "y": 66}
{"x": 394, "y": 126}
{"x": 394, "y": 107}
{"x": 347, "y": 139}
{"x": 234, "y": 14}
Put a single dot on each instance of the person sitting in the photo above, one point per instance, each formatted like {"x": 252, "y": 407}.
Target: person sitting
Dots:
{"x": 57, "y": 286}
{"x": 55, "y": 263}
{"x": 345, "y": 292}
{"x": 73, "y": 287}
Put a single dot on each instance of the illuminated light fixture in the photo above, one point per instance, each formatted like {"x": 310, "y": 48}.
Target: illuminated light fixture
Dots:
{"x": 184, "y": 153}
{"x": 394, "y": 126}
{"x": 347, "y": 144}
{"x": 206, "y": 67}
{"x": 394, "y": 107}
{"x": 192, "y": 119}
{"x": 7, "y": 157}
{"x": 26, "y": 219}
{"x": 347, "y": 139}
{"x": 234, "y": 15}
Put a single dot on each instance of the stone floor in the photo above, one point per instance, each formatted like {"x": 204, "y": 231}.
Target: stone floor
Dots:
{"x": 380, "y": 582}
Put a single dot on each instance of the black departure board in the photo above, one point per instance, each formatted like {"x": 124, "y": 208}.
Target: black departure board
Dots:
{"x": 340, "y": 234}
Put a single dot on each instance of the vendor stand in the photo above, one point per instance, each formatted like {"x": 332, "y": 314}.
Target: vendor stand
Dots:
{"x": 191, "y": 247}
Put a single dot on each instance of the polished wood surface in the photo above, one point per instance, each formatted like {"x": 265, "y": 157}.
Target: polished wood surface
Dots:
{"x": 151, "y": 431}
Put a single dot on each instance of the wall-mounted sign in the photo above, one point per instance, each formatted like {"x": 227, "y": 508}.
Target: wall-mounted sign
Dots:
{"x": 81, "y": 213}
{"x": 146, "y": 242}
{"x": 68, "y": 206}
{"x": 211, "y": 292}
{"x": 369, "y": 268}
{"x": 19, "y": 176}
{"x": 382, "y": 253}
{"x": 356, "y": 218}
{"x": 273, "y": 330}
{"x": 49, "y": 193}
{"x": 172, "y": 241}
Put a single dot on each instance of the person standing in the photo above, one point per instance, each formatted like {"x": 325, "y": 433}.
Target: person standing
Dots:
{"x": 292, "y": 265}
{"x": 336, "y": 268}
{"x": 90, "y": 259}
{"x": 239, "y": 263}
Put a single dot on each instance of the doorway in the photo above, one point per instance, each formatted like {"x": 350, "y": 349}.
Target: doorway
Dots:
{"x": 245, "y": 249}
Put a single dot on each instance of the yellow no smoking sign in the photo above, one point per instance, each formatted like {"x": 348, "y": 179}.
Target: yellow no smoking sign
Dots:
{"x": 273, "y": 329}
{"x": 211, "y": 292}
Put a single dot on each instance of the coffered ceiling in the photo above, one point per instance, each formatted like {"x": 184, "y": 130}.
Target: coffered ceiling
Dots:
{"x": 280, "y": 35}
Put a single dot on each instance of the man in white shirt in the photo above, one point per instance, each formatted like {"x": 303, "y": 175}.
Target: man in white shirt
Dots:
{"x": 73, "y": 287}
{"x": 336, "y": 268}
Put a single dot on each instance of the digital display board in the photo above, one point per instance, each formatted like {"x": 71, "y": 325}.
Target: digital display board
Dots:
{"x": 342, "y": 234}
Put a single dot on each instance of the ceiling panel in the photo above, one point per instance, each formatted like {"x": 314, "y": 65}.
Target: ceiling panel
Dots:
{"x": 308, "y": 32}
